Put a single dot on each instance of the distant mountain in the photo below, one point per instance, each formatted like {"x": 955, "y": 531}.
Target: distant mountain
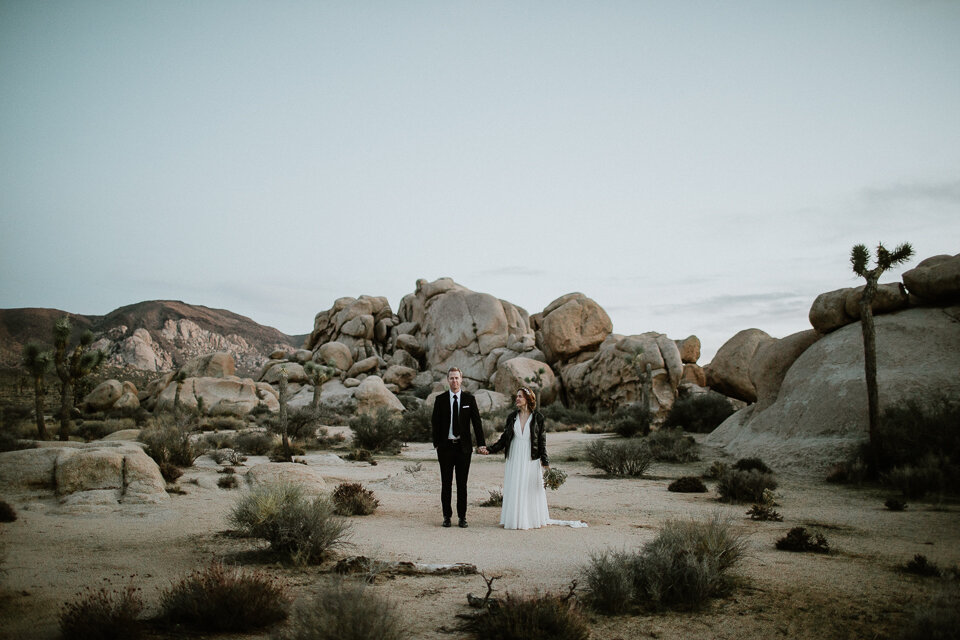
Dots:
{"x": 156, "y": 335}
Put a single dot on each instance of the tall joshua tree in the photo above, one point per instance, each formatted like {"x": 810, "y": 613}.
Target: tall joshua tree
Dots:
{"x": 284, "y": 439}
{"x": 859, "y": 257}
{"x": 317, "y": 374}
{"x": 37, "y": 362}
{"x": 72, "y": 366}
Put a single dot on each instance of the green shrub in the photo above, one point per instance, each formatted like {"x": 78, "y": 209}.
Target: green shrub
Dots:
{"x": 575, "y": 415}
{"x": 535, "y": 617}
{"x": 379, "y": 432}
{"x": 255, "y": 443}
{"x": 7, "y": 512}
{"x": 352, "y": 499}
{"x": 169, "y": 444}
{"x": 630, "y": 420}
{"x": 293, "y": 524}
{"x": 687, "y": 484}
{"x": 699, "y": 412}
{"x": 799, "y": 539}
{"x": 911, "y": 432}
{"x": 750, "y": 464}
{"x": 103, "y": 615}
{"x": 671, "y": 445}
{"x": 931, "y": 474}
{"x": 920, "y": 566}
{"x": 745, "y": 486}
{"x": 302, "y": 424}
{"x": 625, "y": 458}
{"x": 346, "y": 611}
{"x": 220, "y": 599}
{"x": 682, "y": 567}
{"x": 415, "y": 424}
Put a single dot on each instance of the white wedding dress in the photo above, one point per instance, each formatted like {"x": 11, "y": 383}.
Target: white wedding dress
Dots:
{"x": 524, "y": 497}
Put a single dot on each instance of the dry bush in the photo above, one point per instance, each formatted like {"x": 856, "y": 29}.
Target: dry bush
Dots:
{"x": 292, "y": 523}
{"x": 682, "y": 567}
{"x": 103, "y": 615}
{"x": 415, "y": 424}
{"x": 933, "y": 473}
{"x": 799, "y": 539}
{"x": 699, "y": 412}
{"x": 920, "y": 566}
{"x": 380, "y": 432}
{"x": 687, "y": 484}
{"x": 168, "y": 443}
{"x": 575, "y": 415}
{"x": 530, "y": 617}
{"x": 352, "y": 499}
{"x": 630, "y": 420}
{"x": 228, "y": 482}
{"x": 7, "y": 512}
{"x": 745, "y": 486}
{"x": 671, "y": 445}
{"x": 346, "y": 611}
{"x": 217, "y": 598}
{"x": 495, "y": 499}
{"x": 96, "y": 429}
{"x": 624, "y": 458}
{"x": 255, "y": 443}
{"x": 751, "y": 464}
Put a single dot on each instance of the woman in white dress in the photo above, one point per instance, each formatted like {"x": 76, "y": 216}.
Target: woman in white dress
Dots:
{"x": 524, "y": 443}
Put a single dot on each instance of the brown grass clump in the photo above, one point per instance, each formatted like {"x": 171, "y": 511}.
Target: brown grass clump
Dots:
{"x": 346, "y": 611}
{"x": 799, "y": 539}
{"x": 687, "y": 484}
{"x": 103, "y": 615}
{"x": 352, "y": 499}
{"x": 530, "y": 617}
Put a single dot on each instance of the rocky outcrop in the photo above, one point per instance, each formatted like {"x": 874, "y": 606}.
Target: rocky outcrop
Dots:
{"x": 729, "y": 371}
{"x": 772, "y": 360}
{"x": 835, "y": 309}
{"x": 353, "y": 322}
{"x": 372, "y": 395}
{"x": 111, "y": 394}
{"x": 820, "y": 413}
{"x": 100, "y": 473}
{"x": 522, "y": 372}
{"x": 935, "y": 280}
{"x": 571, "y": 325}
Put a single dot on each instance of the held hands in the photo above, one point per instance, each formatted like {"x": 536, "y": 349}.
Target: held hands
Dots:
{"x": 483, "y": 451}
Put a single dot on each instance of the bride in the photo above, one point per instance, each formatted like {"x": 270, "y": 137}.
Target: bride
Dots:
{"x": 525, "y": 446}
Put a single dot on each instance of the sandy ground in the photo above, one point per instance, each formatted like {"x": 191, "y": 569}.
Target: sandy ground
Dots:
{"x": 854, "y": 592}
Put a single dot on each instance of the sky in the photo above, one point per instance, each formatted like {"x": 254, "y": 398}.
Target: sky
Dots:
{"x": 697, "y": 168}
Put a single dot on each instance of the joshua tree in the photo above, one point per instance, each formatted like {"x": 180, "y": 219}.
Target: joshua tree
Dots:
{"x": 178, "y": 378}
{"x": 859, "y": 257}
{"x": 644, "y": 377}
{"x": 283, "y": 413}
{"x": 37, "y": 363}
{"x": 318, "y": 374}
{"x": 72, "y": 368}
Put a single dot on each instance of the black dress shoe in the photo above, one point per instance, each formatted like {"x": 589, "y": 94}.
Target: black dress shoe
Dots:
{"x": 446, "y": 522}
{"x": 463, "y": 523}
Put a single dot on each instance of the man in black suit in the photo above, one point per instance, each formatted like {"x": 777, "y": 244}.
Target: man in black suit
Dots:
{"x": 453, "y": 414}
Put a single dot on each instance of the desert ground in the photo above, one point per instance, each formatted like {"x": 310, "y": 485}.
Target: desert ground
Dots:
{"x": 856, "y": 591}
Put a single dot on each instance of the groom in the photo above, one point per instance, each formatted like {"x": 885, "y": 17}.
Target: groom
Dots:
{"x": 453, "y": 414}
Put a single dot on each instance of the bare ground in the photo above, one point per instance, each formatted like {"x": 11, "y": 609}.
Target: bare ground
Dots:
{"x": 854, "y": 592}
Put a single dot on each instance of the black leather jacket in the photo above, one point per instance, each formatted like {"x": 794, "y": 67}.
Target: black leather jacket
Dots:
{"x": 538, "y": 438}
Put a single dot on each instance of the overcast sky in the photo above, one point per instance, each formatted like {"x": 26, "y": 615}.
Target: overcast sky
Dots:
{"x": 694, "y": 167}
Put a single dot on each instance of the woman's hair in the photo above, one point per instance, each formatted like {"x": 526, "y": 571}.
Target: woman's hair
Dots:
{"x": 529, "y": 396}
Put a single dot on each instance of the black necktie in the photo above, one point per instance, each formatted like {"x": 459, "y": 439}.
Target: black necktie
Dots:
{"x": 455, "y": 416}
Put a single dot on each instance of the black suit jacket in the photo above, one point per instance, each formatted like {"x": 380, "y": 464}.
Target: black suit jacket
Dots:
{"x": 469, "y": 415}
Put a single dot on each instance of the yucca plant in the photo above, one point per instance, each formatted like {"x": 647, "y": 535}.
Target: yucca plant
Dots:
{"x": 72, "y": 366}
{"x": 37, "y": 362}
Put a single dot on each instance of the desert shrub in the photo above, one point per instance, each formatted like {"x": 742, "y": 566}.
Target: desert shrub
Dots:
{"x": 10, "y": 442}
{"x": 360, "y": 455}
{"x": 575, "y": 415}
{"x": 378, "y": 432}
{"x": 285, "y": 454}
{"x": 292, "y": 523}
{"x": 346, "y": 611}
{"x": 853, "y": 471}
{"x": 895, "y": 504}
{"x": 799, "y": 539}
{"x": 671, "y": 445}
{"x": 228, "y": 482}
{"x": 920, "y": 566}
{"x": 745, "y": 486}
{"x": 630, "y": 420}
{"x": 255, "y": 443}
{"x": 169, "y": 444}
{"x": 687, "y": 484}
{"x": 931, "y": 474}
{"x": 910, "y": 432}
{"x": 352, "y": 499}
{"x": 936, "y": 618}
{"x": 715, "y": 470}
{"x": 625, "y": 458}
{"x": 217, "y": 598}
{"x": 495, "y": 499}
{"x": 96, "y": 429}
{"x": 750, "y": 464}
{"x": 415, "y": 425}
{"x": 422, "y": 391}
{"x": 7, "y": 512}
{"x": 222, "y": 423}
{"x": 218, "y": 441}
{"x": 682, "y": 567}
{"x": 699, "y": 412}
{"x": 302, "y": 424}
{"x": 103, "y": 615}
{"x": 530, "y": 617}
{"x": 765, "y": 513}
{"x": 169, "y": 471}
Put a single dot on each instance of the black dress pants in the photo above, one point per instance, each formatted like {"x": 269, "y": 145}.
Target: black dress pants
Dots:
{"x": 453, "y": 460}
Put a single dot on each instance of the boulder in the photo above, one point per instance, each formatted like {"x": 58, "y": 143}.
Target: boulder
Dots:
{"x": 835, "y": 309}
{"x": 689, "y": 349}
{"x": 302, "y": 355}
{"x": 127, "y": 401}
{"x": 367, "y": 365}
{"x": 278, "y": 354}
{"x": 401, "y": 376}
{"x": 351, "y": 321}
{"x": 694, "y": 374}
{"x": 337, "y": 396}
{"x": 372, "y": 395}
{"x": 820, "y": 414}
{"x": 729, "y": 371}
{"x": 89, "y": 469}
{"x": 936, "y": 279}
{"x": 771, "y": 362}
{"x": 514, "y": 373}
{"x": 28, "y": 468}
{"x": 104, "y": 395}
{"x": 276, "y": 473}
{"x": 889, "y": 297}
{"x": 211, "y": 365}
{"x": 221, "y": 396}
{"x": 295, "y": 373}
{"x": 490, "y": 401}
{"x": 402, "y": 358}
{"x": 335, "y": 354}
{"x": 571, "y": 324}
{"x": 410, "y": 344}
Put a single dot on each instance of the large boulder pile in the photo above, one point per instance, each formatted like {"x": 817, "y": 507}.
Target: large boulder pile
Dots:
{"x": 100, "y": 473}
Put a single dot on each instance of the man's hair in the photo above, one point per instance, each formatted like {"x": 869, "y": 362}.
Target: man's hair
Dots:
{"x": 452, "y": 369}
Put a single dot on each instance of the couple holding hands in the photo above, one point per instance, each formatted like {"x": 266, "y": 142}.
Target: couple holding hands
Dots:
{"x": 523, "y": 441}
